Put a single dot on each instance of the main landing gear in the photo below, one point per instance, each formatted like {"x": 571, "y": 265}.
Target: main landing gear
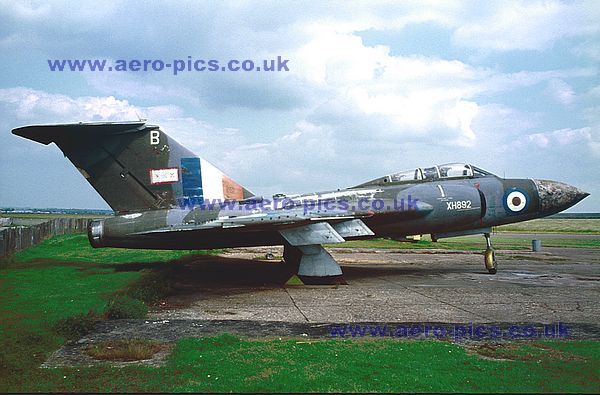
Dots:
{"x": 490, "y": 256}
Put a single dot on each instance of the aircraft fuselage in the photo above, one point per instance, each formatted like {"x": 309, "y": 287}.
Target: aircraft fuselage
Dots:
{"x": 437, "y": 207}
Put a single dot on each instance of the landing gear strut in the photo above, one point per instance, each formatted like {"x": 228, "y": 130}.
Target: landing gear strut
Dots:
{"x": 490, "y": 256}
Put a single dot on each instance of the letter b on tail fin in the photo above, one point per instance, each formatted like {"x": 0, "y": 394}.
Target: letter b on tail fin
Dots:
{"x": 135, "y": 166}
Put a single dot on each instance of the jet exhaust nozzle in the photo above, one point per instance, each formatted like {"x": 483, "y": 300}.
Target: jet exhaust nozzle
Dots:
{"x": 95, "y": 233}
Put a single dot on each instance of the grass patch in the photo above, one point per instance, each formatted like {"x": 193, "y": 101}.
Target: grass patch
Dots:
{"x": 76, "y": 248}
{"x": 227, "y": 363}
{"x": 124, "y": 307}
{"x": 125, "y": 350}
{"x": 44, "y": 301}
{"x": 10, "y": 214}
{"x": 74, "y": 327}
{"x": 552, "y": 225}
{"x": 533, "y": 352}
{"x": 45, "y": 295}
{"x": 34, "y": 301}
{"x": 152, "y": 286}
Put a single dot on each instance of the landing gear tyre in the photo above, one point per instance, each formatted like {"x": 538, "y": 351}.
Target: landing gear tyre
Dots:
{"x": 490, "y": 261}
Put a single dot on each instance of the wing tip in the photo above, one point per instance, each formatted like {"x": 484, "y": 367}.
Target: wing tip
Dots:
{"x": 47, "y": 133}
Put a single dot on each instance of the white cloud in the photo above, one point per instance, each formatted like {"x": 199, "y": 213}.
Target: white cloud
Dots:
{"x": 590, "y": 49}
{"x": 365, "y": 90}
{"x": 138, "y": 86}
{"x": 594, "y": 92}
{"x": 26, "y": 11}
{"x": 408, "y": 94}
{"x": 526, "y": 25}
{"x": 561, "y": 91}
{"x": 30, "y": 104}
{"x": 560, "y": 139}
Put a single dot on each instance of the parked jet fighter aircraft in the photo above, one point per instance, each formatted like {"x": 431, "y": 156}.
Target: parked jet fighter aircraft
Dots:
{"x": 165, "y": 197}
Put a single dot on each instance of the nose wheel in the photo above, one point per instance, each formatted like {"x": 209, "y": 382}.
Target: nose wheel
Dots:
{"x": 490, "y": 256}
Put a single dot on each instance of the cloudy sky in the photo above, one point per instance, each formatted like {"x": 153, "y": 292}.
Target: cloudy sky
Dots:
{"x": 372, "y": 88}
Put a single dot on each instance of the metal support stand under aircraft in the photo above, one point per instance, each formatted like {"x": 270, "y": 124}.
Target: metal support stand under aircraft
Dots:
{"x": 313, "y": 264}
{"x": 303, "y": 249}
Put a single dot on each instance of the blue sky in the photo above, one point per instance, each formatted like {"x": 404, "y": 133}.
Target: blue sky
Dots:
{"x": 372, "y": 88}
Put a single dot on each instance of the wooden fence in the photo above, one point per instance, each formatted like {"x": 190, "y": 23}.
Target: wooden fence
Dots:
{"x": 17, "y": 238}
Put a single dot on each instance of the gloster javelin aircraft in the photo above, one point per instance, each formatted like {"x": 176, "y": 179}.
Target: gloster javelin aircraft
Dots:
{"x": 164, "y": 198}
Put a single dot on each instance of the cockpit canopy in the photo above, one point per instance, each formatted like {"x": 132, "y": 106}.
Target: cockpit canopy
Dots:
{"x": 420, "y": 174}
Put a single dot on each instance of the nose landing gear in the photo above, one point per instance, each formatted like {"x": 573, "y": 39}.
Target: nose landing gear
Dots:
{"x": 490, "y": 256}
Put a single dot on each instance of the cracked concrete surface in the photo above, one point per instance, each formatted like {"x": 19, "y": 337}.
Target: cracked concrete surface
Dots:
{"x": 398, "y": 286}
{"x": 240, "y": 293}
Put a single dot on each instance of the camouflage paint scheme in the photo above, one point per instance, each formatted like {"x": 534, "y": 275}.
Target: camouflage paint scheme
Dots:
{"x": 144, "y": 176}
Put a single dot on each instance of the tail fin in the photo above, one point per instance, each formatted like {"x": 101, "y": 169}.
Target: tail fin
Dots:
{"x": 135, "y": 166}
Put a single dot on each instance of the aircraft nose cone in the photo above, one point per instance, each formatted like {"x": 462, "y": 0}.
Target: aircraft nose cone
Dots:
{"x": 557, "y": 196}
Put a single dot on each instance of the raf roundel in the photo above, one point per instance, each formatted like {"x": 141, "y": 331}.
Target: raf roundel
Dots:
{"x": 516, "y": 201}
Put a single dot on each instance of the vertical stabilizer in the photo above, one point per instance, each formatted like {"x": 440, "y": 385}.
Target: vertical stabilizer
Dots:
{"x": 135, "y": 166}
